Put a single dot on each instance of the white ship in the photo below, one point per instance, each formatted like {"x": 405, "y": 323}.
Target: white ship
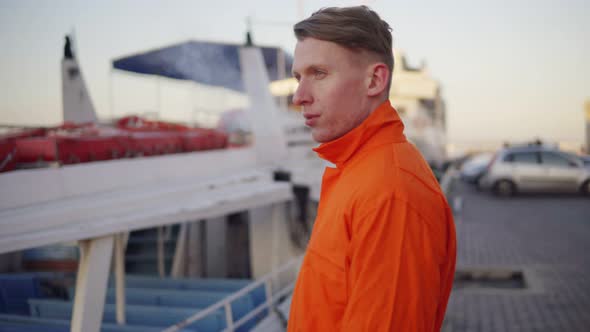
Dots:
{"x": 231, "y": 214}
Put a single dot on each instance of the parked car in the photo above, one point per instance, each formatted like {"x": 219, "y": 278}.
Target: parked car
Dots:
{"x": 475, "y": 167}
{"x": 536, "y": 169}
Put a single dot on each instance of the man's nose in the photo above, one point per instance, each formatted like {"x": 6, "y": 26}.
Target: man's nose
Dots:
{"x": 302, "y": 95}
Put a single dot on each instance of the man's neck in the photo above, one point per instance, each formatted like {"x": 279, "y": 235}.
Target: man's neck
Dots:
{"x": 373, "y": 103}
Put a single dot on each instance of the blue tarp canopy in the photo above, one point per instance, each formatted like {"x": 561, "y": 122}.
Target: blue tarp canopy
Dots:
{"x": 208, "y": 63}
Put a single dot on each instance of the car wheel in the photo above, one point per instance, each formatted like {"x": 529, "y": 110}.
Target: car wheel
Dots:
{"x": 505, "y": 188}
{"x": 585, "y": 188}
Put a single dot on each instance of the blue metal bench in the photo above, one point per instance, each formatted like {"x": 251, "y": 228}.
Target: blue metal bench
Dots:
{"x": 32, "y": 327}
{"x": 209, "y": 284}
{"x": 16, "y": 289}
{"x": 258, "y": 294}
{"x": 17, "y": 323}
{"x": 135, "y": 314}
{"x": 179, "y": 299}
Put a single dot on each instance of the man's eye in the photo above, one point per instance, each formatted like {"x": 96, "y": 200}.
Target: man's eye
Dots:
{"x": 319, "y": 74}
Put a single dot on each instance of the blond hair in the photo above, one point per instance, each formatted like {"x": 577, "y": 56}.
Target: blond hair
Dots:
{"x": 355, "y": 28}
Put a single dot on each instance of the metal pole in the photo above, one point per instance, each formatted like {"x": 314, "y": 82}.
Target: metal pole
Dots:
{"x": 120, "y": 277}
{"x": 160, "y": 240}
{"x": 111, "y": 98}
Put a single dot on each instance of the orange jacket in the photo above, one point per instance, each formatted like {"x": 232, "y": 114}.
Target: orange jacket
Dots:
{"x": 382, "y": 252}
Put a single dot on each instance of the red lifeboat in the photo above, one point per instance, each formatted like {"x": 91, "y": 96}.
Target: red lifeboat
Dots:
{"x": 132, "y": 136}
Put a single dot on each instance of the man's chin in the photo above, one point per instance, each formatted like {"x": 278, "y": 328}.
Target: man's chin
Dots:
{"x": 318, "y": 137}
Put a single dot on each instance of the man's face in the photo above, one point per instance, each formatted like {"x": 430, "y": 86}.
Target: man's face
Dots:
{"x": 332, "y": 89}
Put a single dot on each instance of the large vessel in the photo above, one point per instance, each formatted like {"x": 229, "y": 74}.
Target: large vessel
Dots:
{"x": 221, "y": 213}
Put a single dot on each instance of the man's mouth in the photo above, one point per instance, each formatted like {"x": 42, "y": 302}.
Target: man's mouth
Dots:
{"x": 310, "y": 119}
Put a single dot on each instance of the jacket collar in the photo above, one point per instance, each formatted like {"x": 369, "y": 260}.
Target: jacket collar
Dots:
{"x": 382, "y": 126}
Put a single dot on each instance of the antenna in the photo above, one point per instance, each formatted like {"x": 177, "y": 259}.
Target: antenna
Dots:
{"x": 249, "y": 42}
{"x": 74, "y": 41}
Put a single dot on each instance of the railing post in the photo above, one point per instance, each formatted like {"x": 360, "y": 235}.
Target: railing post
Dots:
{"x": 160, "y": 241}
{"x": 228, "y": 316}
{"x": 120, "y": 277}
{"x": 179, "y": 262}
{"x": 268, "y": 289}
{"x": 91, "y": 283}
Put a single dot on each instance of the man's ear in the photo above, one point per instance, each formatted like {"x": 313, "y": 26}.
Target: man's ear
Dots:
{"x": 379, "y": 79}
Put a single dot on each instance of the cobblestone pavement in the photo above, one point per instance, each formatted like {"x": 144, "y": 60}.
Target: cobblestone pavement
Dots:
{"x": 547, "y": 237}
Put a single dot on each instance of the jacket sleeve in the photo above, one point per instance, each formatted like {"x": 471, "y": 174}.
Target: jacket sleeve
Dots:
{"x": 396, "y": 278}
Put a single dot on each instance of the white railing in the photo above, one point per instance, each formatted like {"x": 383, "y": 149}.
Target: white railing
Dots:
{"x": 271, "y": 298}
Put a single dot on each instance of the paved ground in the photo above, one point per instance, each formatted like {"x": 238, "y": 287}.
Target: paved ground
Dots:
{"x": 547, "y": 237}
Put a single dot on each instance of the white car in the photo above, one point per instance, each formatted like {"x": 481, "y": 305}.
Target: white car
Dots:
{"x": 536, "y": 169}
{"x": 475, "y": 167}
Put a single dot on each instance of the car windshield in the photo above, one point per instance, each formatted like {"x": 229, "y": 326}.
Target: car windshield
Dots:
{"x": 483, "y": 158}
{"x": 478, "y": 160}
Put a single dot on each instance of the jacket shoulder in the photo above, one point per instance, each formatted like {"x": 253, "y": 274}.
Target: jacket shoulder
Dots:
{"x": 398, "y": 171}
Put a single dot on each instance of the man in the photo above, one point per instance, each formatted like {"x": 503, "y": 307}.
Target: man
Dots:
{"x": 382, "y": 252}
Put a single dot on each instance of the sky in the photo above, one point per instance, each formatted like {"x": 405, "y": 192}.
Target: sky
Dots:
{"x": 509, "y": 70}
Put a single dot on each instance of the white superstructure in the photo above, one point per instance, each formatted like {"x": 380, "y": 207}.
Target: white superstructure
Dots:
{"x": 416, "y": 95}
